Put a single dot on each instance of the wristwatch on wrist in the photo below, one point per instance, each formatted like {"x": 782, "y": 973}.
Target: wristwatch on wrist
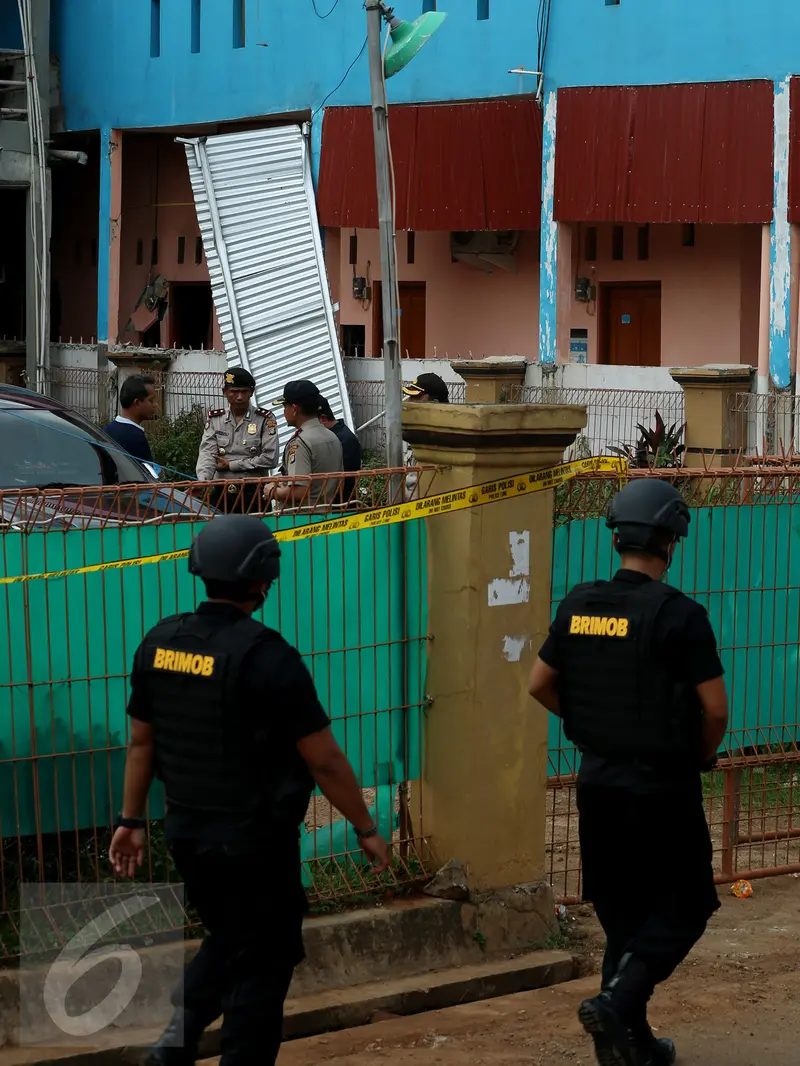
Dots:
{"x": 130, "y": 823}
{"x": 364, "y": 834}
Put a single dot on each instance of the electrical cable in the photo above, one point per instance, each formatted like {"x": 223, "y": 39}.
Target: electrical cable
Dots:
{"x": 328, "y": 14}
{"x": 341, "y": 83}
{"x": 543, "y": 33}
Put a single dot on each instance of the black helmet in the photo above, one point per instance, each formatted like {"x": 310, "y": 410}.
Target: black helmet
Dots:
{"x": 646, "y": 506}
{"x": 235, "y": 548}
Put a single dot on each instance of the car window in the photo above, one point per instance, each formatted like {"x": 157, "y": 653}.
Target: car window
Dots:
{"x": 40, "y": 448}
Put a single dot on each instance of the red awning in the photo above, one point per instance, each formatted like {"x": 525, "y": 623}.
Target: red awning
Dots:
{"x": 470, "y": 166}
{"x": 665, "y": 153}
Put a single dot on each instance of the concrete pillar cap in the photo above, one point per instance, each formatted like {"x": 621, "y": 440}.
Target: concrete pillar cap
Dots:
{"x": 713, "y": 374}
{"x": 440, "y": 433}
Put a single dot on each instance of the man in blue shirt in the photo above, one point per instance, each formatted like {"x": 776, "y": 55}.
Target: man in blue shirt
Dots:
{"x": 137, "y": 404}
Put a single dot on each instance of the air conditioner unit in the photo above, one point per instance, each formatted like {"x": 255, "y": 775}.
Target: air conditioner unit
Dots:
{"x": 485, "y": 249}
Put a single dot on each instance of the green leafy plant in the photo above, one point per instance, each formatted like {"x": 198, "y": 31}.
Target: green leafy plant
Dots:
{"x": 658, "y": 447}
{"x": 372, "y": 490}
{"x": 175, "y": 443}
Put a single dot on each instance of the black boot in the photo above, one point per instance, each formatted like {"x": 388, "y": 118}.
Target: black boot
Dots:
{"x": 662, "y": 1051}
{"x": 180, "y": 1041}
{"x": 611, "y": 1018}
{"x": 613, "y": 1041}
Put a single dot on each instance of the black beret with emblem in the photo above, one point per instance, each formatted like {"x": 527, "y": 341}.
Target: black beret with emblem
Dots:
{"x": 239, "y": 378}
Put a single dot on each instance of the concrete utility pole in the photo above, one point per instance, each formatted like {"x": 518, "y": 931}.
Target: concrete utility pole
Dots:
{"x": 393, "y": 374}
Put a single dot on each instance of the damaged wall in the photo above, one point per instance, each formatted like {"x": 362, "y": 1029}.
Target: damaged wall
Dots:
{"x": 159, "y": 222}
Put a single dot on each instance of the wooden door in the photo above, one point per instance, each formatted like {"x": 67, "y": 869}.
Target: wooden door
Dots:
{"x": 632, "y": 325}
{"x": 412, "y": 319}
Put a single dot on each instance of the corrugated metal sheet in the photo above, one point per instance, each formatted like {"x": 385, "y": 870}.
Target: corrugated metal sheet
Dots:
{"x": 257, "y": 216}
{"x": 665, "y": 153}
{"x": 794, "y": 150}
{"x": 471, "y": 166}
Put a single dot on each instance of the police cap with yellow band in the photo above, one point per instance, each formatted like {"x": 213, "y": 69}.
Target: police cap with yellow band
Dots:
{"x": 428, "y": 384}
{"x": 238, "y": 378}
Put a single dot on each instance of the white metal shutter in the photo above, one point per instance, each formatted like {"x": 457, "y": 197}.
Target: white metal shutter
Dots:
{"x": 258, "y": 219}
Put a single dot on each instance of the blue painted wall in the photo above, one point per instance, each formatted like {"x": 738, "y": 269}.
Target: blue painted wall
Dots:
{"x": 292, "y": 59}
{"x": 109, "y": 78}
{"x": 638, "y": 43}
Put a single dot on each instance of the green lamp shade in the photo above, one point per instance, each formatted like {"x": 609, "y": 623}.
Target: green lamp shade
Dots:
{"x": 408, "y": 38}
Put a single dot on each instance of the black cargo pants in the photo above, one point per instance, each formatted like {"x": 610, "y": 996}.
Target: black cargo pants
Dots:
{"x": 647, "y": 868}
{"x": 239, "y": 971}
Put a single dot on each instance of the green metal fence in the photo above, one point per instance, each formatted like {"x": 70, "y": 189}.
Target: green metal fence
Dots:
{"x": 742, "y": 563}
{"x": 354, "y": 604}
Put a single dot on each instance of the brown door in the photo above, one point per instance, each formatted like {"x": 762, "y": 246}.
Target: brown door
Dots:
{"x": 412, "y": 319}
{"x": 632, "y": 325}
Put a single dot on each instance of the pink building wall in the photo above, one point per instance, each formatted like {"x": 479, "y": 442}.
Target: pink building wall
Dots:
{"x": 467, "y": 312}
{"x": 154, "y": 172}
{"x": 709, "y": 292}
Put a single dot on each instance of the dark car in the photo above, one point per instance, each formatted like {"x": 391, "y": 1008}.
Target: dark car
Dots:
{"x": 58, "y": 470}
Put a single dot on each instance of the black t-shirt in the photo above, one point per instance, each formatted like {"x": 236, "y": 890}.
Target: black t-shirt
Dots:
{"x": 277, "y": 696}
{"x": 351, "y": 456}
{"x": 686, "y": 647}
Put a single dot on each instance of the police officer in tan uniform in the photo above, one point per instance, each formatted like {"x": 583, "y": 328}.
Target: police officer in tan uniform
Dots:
{"x": 427, "y": 388}
{"x": 312, "y": 449}
{"x": 240, "y": 442}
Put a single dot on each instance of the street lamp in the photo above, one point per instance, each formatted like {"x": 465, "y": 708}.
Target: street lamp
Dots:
{"x": 406, "y": 40}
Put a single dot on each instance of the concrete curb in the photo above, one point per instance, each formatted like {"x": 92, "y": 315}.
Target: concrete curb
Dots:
{"x": 354, "y": 961}
{"x": 351, "y": 1007}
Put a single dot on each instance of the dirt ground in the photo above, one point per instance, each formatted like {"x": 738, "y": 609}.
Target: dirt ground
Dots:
{"x": 735, "y": 1002}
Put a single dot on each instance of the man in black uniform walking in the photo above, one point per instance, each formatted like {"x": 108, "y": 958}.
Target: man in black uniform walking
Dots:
{"x": 631, "y": 667}
{"x": 225, "y": 713}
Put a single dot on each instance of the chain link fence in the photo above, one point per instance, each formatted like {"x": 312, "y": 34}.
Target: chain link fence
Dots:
{"x": 613, "y": 415}
{"x": 764, "y": 424}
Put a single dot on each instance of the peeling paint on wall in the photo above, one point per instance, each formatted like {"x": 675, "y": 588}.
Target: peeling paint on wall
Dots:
{"x": 516, "y": 588}
{"x": 549, "y": 247}
{"x": 780, "y": 246}
{"x": 513, "y": 648}
{"x": 520, "y": 544}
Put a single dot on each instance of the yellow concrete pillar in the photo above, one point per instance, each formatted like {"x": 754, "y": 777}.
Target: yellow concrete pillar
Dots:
{"x": 712, "y": 426}
{"x": 492, "y": 380}
{"x": 485, "y": 763}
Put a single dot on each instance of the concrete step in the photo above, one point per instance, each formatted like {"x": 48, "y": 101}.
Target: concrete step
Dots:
{"x": 348, "y": 1008}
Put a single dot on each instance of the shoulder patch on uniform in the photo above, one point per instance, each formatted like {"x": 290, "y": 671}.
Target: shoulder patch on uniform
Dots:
{"x": 215, "y": 412}
{"x": 269, "y": 419}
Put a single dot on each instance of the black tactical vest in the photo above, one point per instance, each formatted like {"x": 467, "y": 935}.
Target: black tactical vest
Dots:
{"x": 615, "y": 696}
{"x": 206, "y": 754}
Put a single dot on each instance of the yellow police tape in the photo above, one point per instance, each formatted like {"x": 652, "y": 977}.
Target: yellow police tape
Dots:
{"x": 443, "y": 503}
